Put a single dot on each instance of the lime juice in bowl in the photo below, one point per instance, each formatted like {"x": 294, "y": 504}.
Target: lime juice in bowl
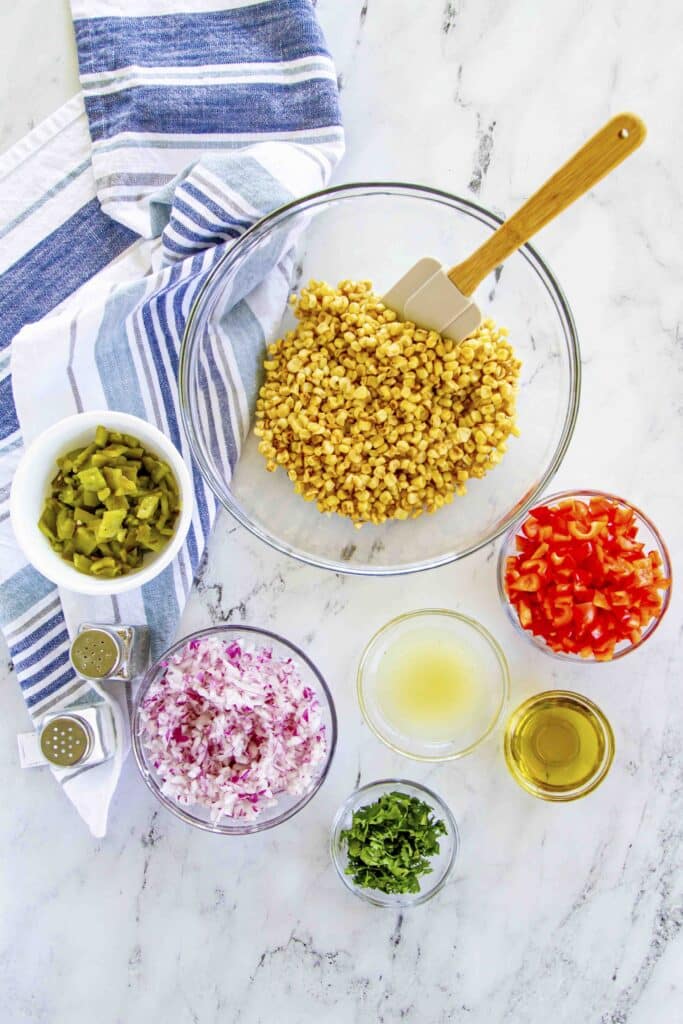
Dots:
{"x": 432, "y": 684}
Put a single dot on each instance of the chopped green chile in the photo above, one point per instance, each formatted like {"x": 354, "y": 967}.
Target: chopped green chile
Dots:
{"x": 91, "y": 479}
{"x": 81, "y": 562}
{"x": 110, "y": 503}
{"x": 86, "y": 542}
{"x": 66, "y": 524}
{"x": 148, "y": 506}
{"x": 109, "y": 525}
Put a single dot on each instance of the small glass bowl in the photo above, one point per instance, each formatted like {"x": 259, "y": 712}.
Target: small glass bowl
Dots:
{"x": 601, "y": 725}
{"x": 442, "y": 864}
{"x": 494, "y": 679}
{"x": 647, "y": 533}
{"x": 287, "y": 806}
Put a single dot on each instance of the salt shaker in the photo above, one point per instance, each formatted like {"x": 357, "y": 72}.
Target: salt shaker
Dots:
{"x": 110, "y": 653}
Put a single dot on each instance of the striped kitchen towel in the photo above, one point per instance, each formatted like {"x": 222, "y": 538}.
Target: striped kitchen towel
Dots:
{"x": 196, "y": 118}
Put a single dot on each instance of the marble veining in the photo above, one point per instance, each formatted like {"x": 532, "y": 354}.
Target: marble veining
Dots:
{"x": 568, "y": 914}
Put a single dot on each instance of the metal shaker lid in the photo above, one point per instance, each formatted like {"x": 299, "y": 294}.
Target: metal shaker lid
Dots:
{"x": 95, "y": 653}
{"x": 66, "y": 741}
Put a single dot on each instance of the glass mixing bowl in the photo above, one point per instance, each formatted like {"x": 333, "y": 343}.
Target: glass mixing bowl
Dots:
{"x": 373, "y": 231}
{"x": 286, "y": 805}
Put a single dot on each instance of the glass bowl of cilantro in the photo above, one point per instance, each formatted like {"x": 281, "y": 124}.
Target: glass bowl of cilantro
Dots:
{"x": 394, "y": 843}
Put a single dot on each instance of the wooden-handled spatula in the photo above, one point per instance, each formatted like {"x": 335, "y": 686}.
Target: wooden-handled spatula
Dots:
{"x": 440, "y": 299}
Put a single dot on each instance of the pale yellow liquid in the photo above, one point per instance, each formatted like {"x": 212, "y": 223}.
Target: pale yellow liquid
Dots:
{"x": 558, "y": 744}
{"x": 426, "y": 686}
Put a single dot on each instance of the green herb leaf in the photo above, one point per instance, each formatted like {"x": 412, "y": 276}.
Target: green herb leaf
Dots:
{"x": 390, "y": 843}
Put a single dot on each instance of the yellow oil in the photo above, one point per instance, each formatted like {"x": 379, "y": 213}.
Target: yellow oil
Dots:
{"x": 426, "y": 685}
{"x": 558, "y": 745}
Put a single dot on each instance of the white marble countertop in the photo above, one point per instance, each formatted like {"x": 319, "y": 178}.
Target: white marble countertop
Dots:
{"x": 570, "y": 913}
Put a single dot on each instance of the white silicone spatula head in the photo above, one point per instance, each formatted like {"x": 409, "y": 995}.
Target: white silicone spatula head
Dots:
{"x": 440, "y": 299}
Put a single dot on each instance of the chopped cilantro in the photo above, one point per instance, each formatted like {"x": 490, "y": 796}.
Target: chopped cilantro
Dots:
{"x": 390, "y": 843}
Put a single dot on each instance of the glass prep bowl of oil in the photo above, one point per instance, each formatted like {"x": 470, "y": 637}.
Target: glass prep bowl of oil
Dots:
{"x": 432, "y": 684}
{"x": 558, "y": 745}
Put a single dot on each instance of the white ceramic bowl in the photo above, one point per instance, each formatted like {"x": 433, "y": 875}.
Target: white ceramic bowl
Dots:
{"x": 39, "y": 465}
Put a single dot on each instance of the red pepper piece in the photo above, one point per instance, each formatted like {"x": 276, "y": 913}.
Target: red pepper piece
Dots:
{"x": 525, "y": 616}
{"x": 586, "y": 532}
{"x": 563, "y": 616}
{"x": 529, "y": 582}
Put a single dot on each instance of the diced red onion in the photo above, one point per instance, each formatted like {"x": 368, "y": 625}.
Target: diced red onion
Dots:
{"x": 232, "y": 728}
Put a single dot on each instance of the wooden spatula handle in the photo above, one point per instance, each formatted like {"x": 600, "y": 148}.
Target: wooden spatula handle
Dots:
{"x": 601, "y": 154}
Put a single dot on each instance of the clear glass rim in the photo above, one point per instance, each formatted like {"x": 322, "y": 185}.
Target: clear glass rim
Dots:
{"x": 504, "y": 688}
{"x": 591, "y": 784}
{"x": 538, "y": 641}
{"x": 248, "y": 828}
{"x": 409, "y": 900}
{"x": 357, "y": 189}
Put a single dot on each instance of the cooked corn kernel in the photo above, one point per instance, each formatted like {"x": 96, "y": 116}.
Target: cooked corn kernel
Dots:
{"x": 376, "y": 419}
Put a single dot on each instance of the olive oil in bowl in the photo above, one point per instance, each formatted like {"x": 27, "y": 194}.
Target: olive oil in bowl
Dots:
{"x": 558, "y": 745}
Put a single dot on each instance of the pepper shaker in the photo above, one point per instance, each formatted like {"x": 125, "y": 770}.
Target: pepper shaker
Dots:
{"x": 77, "y": 737}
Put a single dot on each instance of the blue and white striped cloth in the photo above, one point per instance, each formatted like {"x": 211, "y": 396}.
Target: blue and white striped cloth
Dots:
{"x": 193, "y": 122}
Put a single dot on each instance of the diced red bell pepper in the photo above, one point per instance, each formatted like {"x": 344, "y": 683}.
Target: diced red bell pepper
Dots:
{"x": 582, "y": 580}
{"x": 531, "y": 528}
{"x": 586, "y": 532}
{"x": 584, "y": 614}
{"x": 563, "y": 616}
{"x": 581, "y": 552}
{"x": 524, "y": 611}
{"x": 529, "y": 582}
{"x": 622, "y": 515}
